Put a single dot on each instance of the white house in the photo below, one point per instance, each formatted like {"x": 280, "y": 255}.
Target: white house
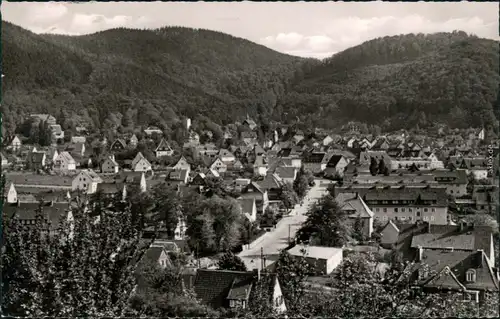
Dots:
{"x": 5, "y": 160}
{"x": 163, "y": 149}
{"x": 260, "y": 166}
{"x": 140, "y": 163}
{"x": 110, "y": 166}
{"x": 481, "y": 134}
{"x": 323, "y": 260}
{"x": 182, "y": 163}
{"x": 327, "y": 140}
{"x": 226, "y": 156}
{"x": 10, "y": 194}
{"x": 86, "y": 181}
{"x": 57, "y": 132}
{"x": 14, "y": 144}
{"x": 218, "y": 165}
{"x": 248, "y": 208}
{"x": 65, "y": 162}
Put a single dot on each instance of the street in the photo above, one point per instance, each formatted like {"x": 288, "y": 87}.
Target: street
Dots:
{"x": 277, "y": 239}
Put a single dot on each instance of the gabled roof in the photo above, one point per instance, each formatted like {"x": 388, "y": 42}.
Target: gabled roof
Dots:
{"x": 449, "y": 236}
{"x": 178, "y": 175}
{"x": 286, "y": 172}
{"x": 93, "y": 175}
{"x": 214, "y": 287}
{"x": 271, "y": 181}
{"x": 110, "y": 188}
{"x": 334, "y": 160}
{"x": 247, "y": 205}
{"x": 350, "y": 202}
{"x": 27, "y": 211}
{"x": 65, "y": 156}
{"x": 315, "y": 251}
{"x": 112, "y": 160}
{"x": 120, "y": 142}
{"x": 163, "y": 146}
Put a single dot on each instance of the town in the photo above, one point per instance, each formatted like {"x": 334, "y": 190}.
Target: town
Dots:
{"x": 227, "y": 207}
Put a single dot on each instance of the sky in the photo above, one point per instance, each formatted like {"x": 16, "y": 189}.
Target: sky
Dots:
{"x": 314, "y": 29}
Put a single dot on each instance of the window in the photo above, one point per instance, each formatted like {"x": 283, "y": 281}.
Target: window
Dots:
{"x": 451, "y": 191}
{"x": 425, "y": 210}
{"x": 232, "y": 304}
{"x": 433, "y": 210}
{"x": 403, "y": 210}
{"x": 432, "y": 218}
{"x": 84, "y": 185}
{"x": 470, "y": 275}
{"x": 396, "y": 210}
{"x": 384, "y": 218}
{"x": 377, "y": 210}
{"x": 385, "y": 210}
{"x": 410, "y": 210}
{"x": 418, "y": 214}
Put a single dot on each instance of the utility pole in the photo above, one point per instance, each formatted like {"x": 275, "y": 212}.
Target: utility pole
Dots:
{"x": 261, "y": 258}
{"x": 289, "y": 229}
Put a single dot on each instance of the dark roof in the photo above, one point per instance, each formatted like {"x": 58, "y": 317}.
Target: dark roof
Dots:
{"x": 246, "y": 205}
{"x": 42, "y": 180}
{"x": 285, "y": 171}
{"x": 316, "y": 157}
{"x": 214, "y": 287}
{"x": 450, "y": 177}
{"x": 110, "y": 188}
{"x": 27, "y": 211}
{"x": 436, "y": 195}
{"x": 334, "y": 160}
{"x": 458, "y": 263}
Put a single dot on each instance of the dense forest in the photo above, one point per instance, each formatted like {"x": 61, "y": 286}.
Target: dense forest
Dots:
{"x": 124, "y": 78}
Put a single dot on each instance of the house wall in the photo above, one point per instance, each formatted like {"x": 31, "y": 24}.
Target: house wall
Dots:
{"x": 83, "y": 182}
{"x": 334, "y": 262}
{"x": 142, "y": 166}
{"x": 436, "y": 215}
{"x": 278, "y": 298}
{"x": 109, "y": 168}
{"x": 479, "y": 173}
{"x": 164, "y": 153}
{"x": 12, "y": 194}
{"x": 260, "y": 171}
{"x": 456, "y": 189}
{"x": 389, "y": 236}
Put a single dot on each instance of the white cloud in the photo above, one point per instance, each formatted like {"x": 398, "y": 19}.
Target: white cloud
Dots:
{"x": 342, "y": 33}
{"x": 85, "y": 23}
{"x": 46, "y": 12}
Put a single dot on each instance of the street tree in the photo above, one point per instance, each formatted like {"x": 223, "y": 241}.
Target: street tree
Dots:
{"x": 230, "y": 261}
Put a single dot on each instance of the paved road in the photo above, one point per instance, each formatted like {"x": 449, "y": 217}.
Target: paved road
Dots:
{"x": 277, "y": 239}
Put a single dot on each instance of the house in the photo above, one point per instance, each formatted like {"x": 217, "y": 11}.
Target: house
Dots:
{"x": 182, "y": 163}
{"x": 299, "y": 136}
{"x": 409, "y": 204}
{"x": 407, "y": 237}
{"x": 193, "y": 139}
{"x": 131, "y": 178}
{"x": 86, "y": 181}
{"x": 78, "y": 139}
{"x": 461, "y": 271}
{"x": 486, "y": 198}
{"x": 254, "y": 191}
{"x": 133, "y": 141}
{"x": 248, "y": 122}
{"x": 248, "y": 208}
{"x": 5, "y": 160}
{"x": 65, "y": 162}
{"x": 286, "y": 173}
{"x": 52, "y": 212}
{"x": 481, "y": 135}
{"x": 226, "y": 156}
{"x": 77, "y": 150}
{"x": 327, "y": 140}
{"x": 322, "y": 260}
{"x": 57, "y": 132}
{"x": 357, "y": 210}
{"x": 366, "y": 157}
{"x": 336, "y": 166}
{"x": 10, "y": 193}
{"x": 140, "y": 163}
{"x": 52, "y": 155}
{"x": 163, "y": 149}
{"x": 37, "y": 181}
{"x": 272, "y": 184}
{"x": 234, "y": 289}
{"x": 14, "y": 143}
{"x": 111, "y": 190}
{"x": 44, "y": 118}
{"x": 156, "y": 254}
{"x": 315, "y": 161}
{"x": 249, "y": 138}
{"x": 218, "y": 165}
{"x": 153, "y": 130}
{"x": 110, "y": 166}
{"x": 260, "y": 166}
{"x": 36, "y": 160}
{"x": 455, "y": 181}
{"x": 177, "y": 177}
{"x": 118, "y": 145}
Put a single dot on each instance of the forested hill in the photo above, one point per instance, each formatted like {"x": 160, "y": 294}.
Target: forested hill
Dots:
{"x": 148, "y": 76}
{"x": 129, "y": 78}
{"x": 403, "y": 80}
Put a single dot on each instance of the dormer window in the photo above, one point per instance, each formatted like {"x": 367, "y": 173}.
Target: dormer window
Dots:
{"x": 470, "y": 275}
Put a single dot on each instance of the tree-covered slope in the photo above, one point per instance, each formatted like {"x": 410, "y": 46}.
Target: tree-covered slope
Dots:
{"x": 403, "y": 81}
{"x": 161, "y": 74}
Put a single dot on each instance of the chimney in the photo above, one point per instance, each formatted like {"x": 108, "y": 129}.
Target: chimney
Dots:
{"x": 420, "y": 253}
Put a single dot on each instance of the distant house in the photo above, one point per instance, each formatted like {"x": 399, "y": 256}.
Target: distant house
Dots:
{"x": 163, "y": 149}
{"x": 153, "y": 130}
{"x": 133, "y": 141}
{"x": 260, "y": 166}
{"x": 456, "y": 181}
{"x": 315, "y": 161}
{"x": 52, "y": 155}
{"x": 248, "y": 122}
{"x": 253, "y": 190}
{"x": 14, "y": 143}
{"x": 86, "y": 181}
{"x": 65, "y": 162}
{"x": 156, "y": 254}
{"x": 113, "y": 190}
{"x": 248, "y": 208}
{"x": 44, "y": 118}
{"x": 177, "y": 177}
{"x": 226, "y": 156}
{"x": 118, "y": 145}
{"x": 182, "y": 163}
{"x": 327, "y": 140}
{"x": 218, "y": 165}
{"x": 288, "y": 174}
{"x": 110, "y": 166}
{"x": 323, "y": 260}
{"x": 5, "y": 160}
{"x": 36, "y": 160}
{"x": 481, "y": 135}
{"x": 140, "y": 163}
{"x": 235, "y": 289}
{"x": 336, "y": 166}
{"x": 78, "y": 139}
{"x": 358, "y": 211}
{"x": 10, "y": 193}
{"x": 77, "y": 150}
{"x": 249, "y": 138}
{"x": 57, "y": 132}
